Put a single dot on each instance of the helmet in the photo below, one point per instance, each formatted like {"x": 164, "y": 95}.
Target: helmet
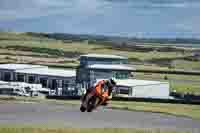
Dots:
{"x": 111, "y": 83}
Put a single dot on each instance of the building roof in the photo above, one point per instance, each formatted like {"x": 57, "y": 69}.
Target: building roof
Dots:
{"x": 49, "y": 72}
{"x": 111, "y": 67}
{"x": 135, "y": 82}
{"x": 19, "y": 66}
{"x": 104, "y": 56}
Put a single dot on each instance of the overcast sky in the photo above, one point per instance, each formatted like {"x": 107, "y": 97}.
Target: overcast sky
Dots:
{"x": 156, "y": 18}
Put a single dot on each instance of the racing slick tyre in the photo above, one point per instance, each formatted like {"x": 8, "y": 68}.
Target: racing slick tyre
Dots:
{"x": 82, "y": 109}
{"x": 91, "y": 104}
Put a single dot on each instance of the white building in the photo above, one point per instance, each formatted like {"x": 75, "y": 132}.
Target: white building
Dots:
{"x": 143, "y": 88}
{"x": 7, "y": 71}
{"x": 54, "y": 79}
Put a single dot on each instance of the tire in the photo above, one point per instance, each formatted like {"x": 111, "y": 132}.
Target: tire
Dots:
{"x": 89, "y": 110}
{"x": 82, "y": 109}
{"x": 91, "y": 104}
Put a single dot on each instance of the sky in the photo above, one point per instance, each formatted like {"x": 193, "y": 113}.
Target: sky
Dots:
{"x": 134, "y": 18}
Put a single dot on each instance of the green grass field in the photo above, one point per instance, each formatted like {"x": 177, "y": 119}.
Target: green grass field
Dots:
{"x": 88, "y": 48}
{"x": 192, "y": 111}
{"x": 84, "y": 47}
{"x": 187, "y": 65}
{"x": 193, "y": 88}
{"x": 11, "y": 129}
{"x": 158, "y": 76}
{"x": 180, "y": 83}
{"x": 38, "y": 45}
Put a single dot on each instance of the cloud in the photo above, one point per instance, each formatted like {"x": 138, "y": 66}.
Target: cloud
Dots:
{"x": 28, "y": 9}
{"x": 25, "y": 9}
{"x": 189, "y": 25}
{"x": 158, "y": 3}
{"x": 103, "y": 16}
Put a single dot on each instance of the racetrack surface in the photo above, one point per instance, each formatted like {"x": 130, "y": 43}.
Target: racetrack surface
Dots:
{"x": 60, "y": 115}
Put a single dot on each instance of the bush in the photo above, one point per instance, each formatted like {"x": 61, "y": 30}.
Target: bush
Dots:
{"x": 165, "y": 77}
{"x": 57, "y": 52}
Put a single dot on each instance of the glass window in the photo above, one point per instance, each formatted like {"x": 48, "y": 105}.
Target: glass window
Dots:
{"x": 66, "y": 83}
{"x": 55, "y": 84}
{"x": 31, "y": 79}
{"x": 20, "y": 77}
{"x": 125, "y": 62}
{"x": 0, "y": 75}
{"x": 121, "y": 75}
{"x": 43, "y": 81}
{"x": 7, "y": 76}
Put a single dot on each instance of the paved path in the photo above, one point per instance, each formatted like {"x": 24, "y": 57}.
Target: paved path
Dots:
{"x": 70, "y": 116}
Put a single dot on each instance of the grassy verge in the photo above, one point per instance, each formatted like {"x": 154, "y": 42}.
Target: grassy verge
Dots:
{"x": 192, "y": 88}
{"x": 180, "y": 83}
{"x": 159, "y": 76}
{"x": 50, "y": 47}
{"x": 186, "y": 65}
{"x": 59, "y": 48}
{"x": 79, "y": 130}
{"x": 192, "y": 111}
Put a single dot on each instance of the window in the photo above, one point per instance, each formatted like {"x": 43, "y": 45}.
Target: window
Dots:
{"x": 121, "y": 75}
{"x": 31, "y": 79}
{"x": 125, "y": 62}
{"x": 43, "y": 81}
{"x": 117, "y": 76}
{"x": 20, "y": 77}
{"x": 123, "y": 90}
{"x": 0, "y": 75}
{"x": 66, "y": 83}
{"x": 54, "y": 84}
{"x": 7, "y": 76}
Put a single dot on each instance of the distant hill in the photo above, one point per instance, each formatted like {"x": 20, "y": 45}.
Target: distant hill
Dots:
{"x": 105, "y": 40}
{"x": 118, "y": 40}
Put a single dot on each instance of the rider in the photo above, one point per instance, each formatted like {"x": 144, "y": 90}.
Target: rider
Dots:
{"x": 105, "y": 86}
{"x": 109, "y": 86}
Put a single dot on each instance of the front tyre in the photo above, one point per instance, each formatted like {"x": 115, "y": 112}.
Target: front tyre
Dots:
{"x": 91, "y": 104}
{"x": 82, "y": 109}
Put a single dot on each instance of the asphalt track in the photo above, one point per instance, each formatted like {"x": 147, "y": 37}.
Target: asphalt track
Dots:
{"x": 59, "y": 115}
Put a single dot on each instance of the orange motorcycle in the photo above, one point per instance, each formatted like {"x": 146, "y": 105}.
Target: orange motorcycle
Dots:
{"x": 97, "y": 95}
{"x": 93, "y": 99}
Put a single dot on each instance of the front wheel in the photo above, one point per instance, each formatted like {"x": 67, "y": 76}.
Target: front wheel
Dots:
{"x": 82, "y": 109}
{"x": 92, "y": 103}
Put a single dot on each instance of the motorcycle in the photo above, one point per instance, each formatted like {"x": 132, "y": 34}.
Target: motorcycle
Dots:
{"x": 92, "y": 99}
